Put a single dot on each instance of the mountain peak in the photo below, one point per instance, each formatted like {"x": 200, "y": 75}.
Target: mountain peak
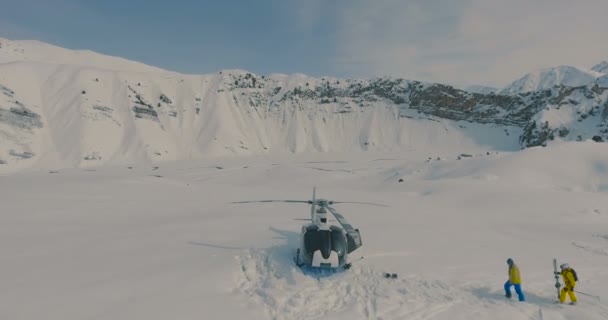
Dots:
{"x": 549, "y": 77}
{"x": 601, "y": 67}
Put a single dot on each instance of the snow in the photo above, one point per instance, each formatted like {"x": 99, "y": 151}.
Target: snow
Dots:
{"x": 163, "y": 241}
{"x": 64, "y": 108}
{"x": 562, "y": 75}
{"x": 578, "y": 119}
{"x": 602, "y": 81}
{"x": 85, "y": 104}
{"x": 480, "y": 89}
{"x": 550, "y": 77}
{"x": 36, "y": 51}
{"x": 110, "y": 215}
{"x": 601, "y": 67}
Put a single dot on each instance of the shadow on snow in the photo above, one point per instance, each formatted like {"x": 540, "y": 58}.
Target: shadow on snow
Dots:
{"x": 486, "y": 293}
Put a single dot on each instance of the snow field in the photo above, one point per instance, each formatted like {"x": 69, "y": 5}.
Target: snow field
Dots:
{"x": 162, "y": 241}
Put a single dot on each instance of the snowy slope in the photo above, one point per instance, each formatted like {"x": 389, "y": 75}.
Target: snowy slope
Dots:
{"x": 601, "y": 67}
{"x": 164, "y": 243}
{"x": 602, "y": 81}
{"x": 87, "y": 116}
{"x": 570, "y": 116}
{"x": 36, "y": 51}
{"x": 62, "y": 108}
{"x": 551, "y": 77}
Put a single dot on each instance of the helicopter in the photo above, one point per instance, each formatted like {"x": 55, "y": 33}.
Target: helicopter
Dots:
{"x": 323, "y": 245}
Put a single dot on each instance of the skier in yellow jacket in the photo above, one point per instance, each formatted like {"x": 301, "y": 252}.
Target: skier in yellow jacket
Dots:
{"x": 514, "y": 280}
{"x": 569, "y": 284}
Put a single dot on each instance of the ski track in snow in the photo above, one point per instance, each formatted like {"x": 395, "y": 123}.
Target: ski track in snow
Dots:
{"x": 602, "y": 251}
{"x": 329, "y": 170}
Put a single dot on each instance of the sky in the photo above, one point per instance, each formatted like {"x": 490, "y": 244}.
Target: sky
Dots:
{"x": 460, "y": 42}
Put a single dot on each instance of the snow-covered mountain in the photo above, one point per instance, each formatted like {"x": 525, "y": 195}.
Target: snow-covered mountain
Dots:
{"x": 480, "y": 89}
{"x": 573, "y": 113}
{"x": 601, "y": 67}
{"x": 61, "y": 107}
{"x": 548, "y": 78}
{"x": 169, "y": 241}
{"x": 40, "y": 52}
{"x": 602, "y": 81}
{"x": 578, "y": 108}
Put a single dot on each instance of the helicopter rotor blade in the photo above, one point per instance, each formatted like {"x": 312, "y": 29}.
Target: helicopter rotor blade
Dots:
{"x": 343, "y": 222}
{"x": 355, "y": 202}
{"x": 287, "y": 201}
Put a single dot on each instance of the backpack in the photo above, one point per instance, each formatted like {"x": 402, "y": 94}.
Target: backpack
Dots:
{"x": 574, "y": 275}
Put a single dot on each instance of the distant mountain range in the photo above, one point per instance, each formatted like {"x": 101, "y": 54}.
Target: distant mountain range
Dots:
{"x": 551, "y": 77}
{"x": 68, "y": 108}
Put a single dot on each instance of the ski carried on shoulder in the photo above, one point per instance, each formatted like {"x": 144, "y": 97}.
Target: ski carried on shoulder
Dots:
{"x": 556, "y": 274}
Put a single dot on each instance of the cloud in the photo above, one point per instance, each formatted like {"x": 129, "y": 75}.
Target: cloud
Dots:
{"x": 490, "y": 42}
{"x": 527, "y": 35}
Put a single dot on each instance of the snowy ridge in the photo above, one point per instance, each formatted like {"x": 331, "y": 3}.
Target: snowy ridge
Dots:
{"x": 548, "y": 78}
{"x": 602, "y": 81}
{"x": 601, "y": 67}
{"x": 36, "y": 51}
{"x": 481, "y": 89}
{"x": 63, "y": 108}
{"x": 56, "y": 112}
{"x": 574, "y": 114}
{"x": 74, "y": 116}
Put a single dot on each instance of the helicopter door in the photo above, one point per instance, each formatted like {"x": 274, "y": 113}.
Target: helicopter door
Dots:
{"x": 354, "y": 240}
{"x": 312, "y": 241}
{"x": 338, "y": 241}
{"x": 352, "y": 235}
